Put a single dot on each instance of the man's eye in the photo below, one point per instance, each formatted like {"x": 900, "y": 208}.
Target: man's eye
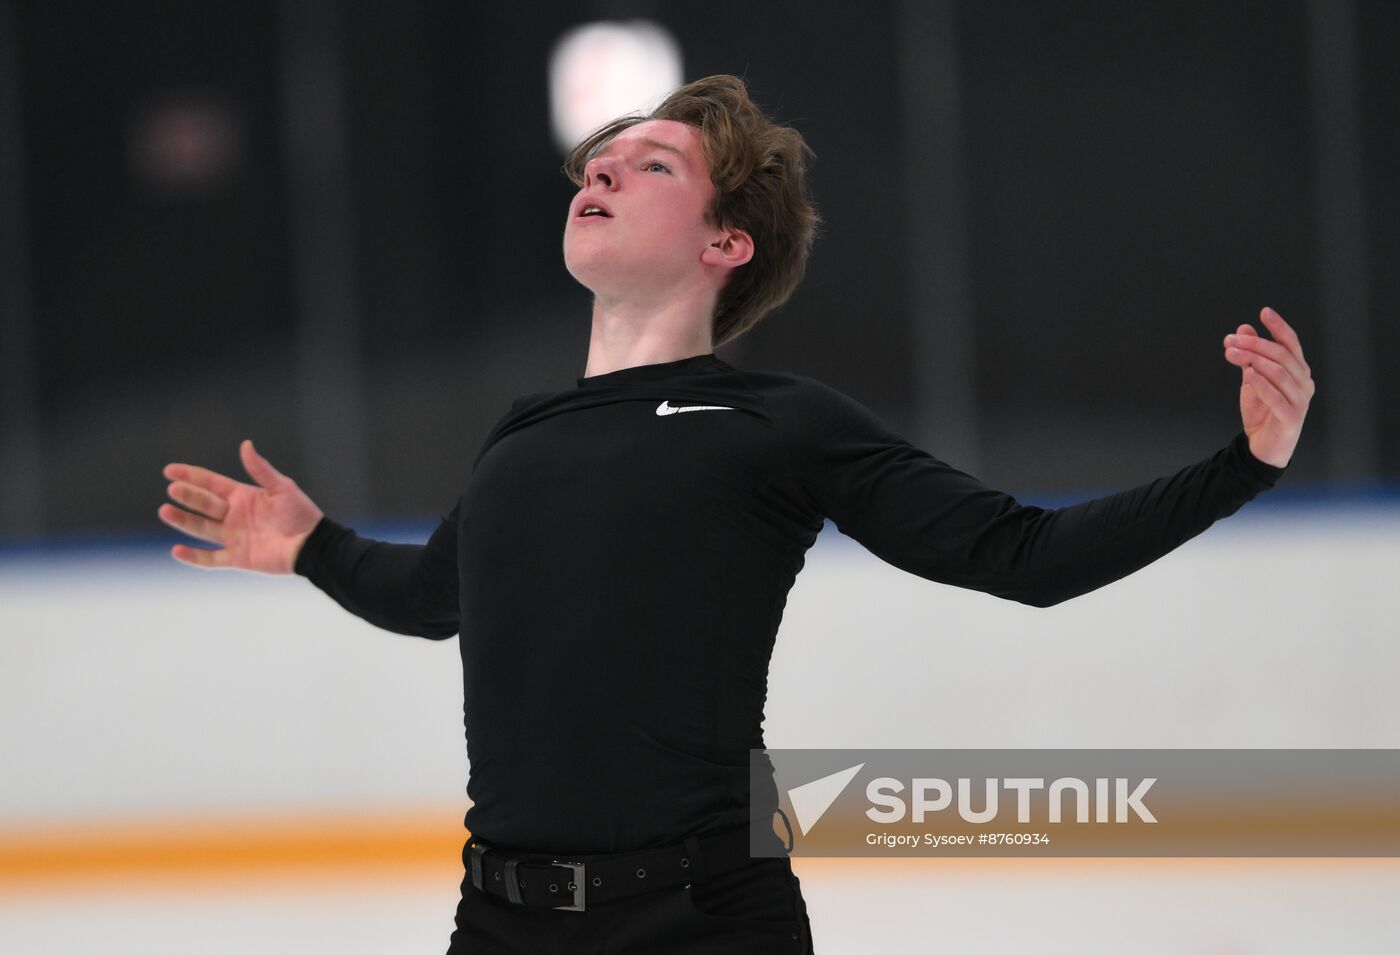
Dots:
{"x": 654, "y": 163}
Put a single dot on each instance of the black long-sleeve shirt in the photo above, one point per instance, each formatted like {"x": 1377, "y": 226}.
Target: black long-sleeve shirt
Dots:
{"x": 620, "y": 558}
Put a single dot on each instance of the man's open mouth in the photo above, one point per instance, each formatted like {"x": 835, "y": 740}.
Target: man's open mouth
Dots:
{"x": 593, "y": 210}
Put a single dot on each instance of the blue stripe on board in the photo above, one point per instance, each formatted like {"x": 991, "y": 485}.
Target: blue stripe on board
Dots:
{"x": 1320, "y": 501}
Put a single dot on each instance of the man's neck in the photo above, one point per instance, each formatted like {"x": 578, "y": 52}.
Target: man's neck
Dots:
{"x": 626, "y": 335}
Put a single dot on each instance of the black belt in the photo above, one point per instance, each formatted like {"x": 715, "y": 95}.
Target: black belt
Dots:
{"x": 547, "y": 881}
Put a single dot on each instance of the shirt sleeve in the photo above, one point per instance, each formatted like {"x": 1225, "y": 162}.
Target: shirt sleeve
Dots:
{"x": 405, "y": 588}
{"x": 930, "y": 519}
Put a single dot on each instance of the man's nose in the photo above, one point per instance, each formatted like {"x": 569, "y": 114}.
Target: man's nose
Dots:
{"x": 599, "y": 169}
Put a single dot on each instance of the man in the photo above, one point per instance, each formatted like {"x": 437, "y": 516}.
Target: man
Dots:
{"x": 618, "y": 562}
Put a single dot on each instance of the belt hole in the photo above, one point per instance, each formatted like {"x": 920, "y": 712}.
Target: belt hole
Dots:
{"x": 685, "y": 863}
{"x": 498, "y": 877}
{"x": 641, "y": 873}
{"x": 553, "y": 887}
{"x": 597, "y": 880}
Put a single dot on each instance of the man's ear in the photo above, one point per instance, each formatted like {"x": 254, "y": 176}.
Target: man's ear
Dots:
{"x": 730, "y": 249}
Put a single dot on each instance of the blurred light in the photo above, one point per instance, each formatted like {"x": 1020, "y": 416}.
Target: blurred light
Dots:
{"x": 600, "y": 71}
{"x": 185, "y": 144}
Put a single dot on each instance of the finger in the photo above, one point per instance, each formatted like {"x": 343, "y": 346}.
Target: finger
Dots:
{"x": 257, "y": 466}
{"x": 199, "y": 556}
{"x": 195, "y": 525}
{"x": 1282, "y": 331}
{"x": 1286, "y": 376}
{"x": 1276, "y": 374}
{"x": 1269, "y": 394}
{"x": 199, "y": 500}
{"x": 1253, "y": 344}
{"x": 201, "y": 477}
{"x": 1285, "y": 336}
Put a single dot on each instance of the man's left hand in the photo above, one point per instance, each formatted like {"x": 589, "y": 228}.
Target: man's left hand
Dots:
{"x": 1275, "y": 389}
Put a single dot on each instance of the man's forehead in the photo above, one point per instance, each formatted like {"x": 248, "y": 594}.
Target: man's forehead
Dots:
{"x": 681, "y": 137}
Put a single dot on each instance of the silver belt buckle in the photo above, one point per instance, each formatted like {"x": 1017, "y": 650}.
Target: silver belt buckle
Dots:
{"x": 577, "y": 882}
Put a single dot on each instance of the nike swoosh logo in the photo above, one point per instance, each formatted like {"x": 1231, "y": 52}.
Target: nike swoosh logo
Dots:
{"x": 665, "y": 408}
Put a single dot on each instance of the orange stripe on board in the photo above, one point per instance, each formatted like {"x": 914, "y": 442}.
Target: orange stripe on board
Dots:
{"x": 233, "y": 847}
{"x": 426, "y": 845}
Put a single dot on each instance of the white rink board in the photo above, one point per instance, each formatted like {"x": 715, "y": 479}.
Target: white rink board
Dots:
{"x": 133, "y": 688}
{"x": 132, "y": 684}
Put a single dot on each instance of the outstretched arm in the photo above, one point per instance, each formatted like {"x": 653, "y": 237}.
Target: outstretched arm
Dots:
{"x": 273, "y": 527}
{"x": 406, "y": 588}
{"x": 931, "y": 519}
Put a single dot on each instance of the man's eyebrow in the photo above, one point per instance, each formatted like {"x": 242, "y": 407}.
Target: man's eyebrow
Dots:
{"x": 654, "y": 144}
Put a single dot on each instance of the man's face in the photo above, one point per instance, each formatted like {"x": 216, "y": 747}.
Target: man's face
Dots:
{"x": 653, "y": 185}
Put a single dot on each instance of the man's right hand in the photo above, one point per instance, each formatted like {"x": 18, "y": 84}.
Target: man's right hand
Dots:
{"x": 261, "y": 527}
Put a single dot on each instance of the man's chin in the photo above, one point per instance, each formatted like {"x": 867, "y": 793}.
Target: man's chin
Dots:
{"x": 609, "y": 276}
{"x": 583, "y": 276}
{"x": 595, "y": 272}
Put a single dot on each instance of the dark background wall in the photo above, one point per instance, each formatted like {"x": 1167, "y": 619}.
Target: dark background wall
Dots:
{"x": 1134, "y": 181}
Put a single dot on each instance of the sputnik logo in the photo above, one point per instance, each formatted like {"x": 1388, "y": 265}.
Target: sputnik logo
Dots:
{"x": 810, "y": 801}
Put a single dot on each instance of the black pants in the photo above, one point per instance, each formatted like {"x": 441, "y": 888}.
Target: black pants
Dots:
{"x": 756, "y": 909}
